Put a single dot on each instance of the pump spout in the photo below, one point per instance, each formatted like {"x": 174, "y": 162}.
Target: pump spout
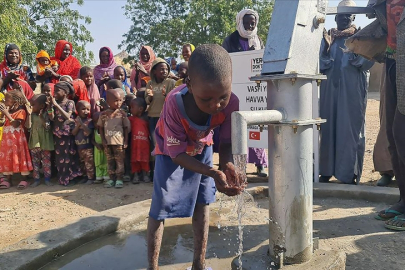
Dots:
{"x": 242, "y": 119}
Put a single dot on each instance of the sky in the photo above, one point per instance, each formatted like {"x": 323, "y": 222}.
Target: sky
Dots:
{"x": 109, "y": 23}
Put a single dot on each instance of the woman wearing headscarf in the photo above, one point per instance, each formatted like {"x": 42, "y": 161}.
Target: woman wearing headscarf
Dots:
{"x": 12, "y": 68}
{"x": 68, "y": 64}
{"x": 245, "y": 38}
{"x": 142, "y": 68}
{"x": 105, "y": 70}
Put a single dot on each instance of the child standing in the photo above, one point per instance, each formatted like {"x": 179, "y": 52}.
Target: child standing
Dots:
{"x": 121, "y": 74}
{"x": 41, "y": 140}
{"x": 83, "y": 133}
{"x": 183, "y": 73}
{"x": 114, "y": 126}
{"x": 184, "y": 180}
{"x": 157, "y": 89}
{"x": 14, "y": 153}
{"x": 100, "y": 159}
{"x": 86, "y": 74}
{"x": 140, "y": 142}
{"x": 60, "y": 109}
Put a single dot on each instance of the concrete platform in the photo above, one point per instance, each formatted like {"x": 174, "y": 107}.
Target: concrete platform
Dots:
{"x": 321, "y": 260}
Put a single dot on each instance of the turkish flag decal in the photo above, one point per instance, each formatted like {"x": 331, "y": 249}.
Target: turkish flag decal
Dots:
{"x": 254, "y": 135}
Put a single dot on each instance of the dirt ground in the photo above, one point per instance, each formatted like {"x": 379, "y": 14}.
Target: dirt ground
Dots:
{"x": 28, "y": 212}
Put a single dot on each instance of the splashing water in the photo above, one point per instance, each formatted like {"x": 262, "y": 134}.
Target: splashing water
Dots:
{"x": 240, "y": 164}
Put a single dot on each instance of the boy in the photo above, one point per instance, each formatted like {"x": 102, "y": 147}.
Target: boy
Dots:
{"x": 83, "y": 133}
{"x": 114, "y": 126}
{"x": 184, "y": 178}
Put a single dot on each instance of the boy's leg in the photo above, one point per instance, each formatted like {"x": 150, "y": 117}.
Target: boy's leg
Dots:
{"x": 110, "y": 161}
{"x": 201, "y": 218}
{"x": 89, "y": 163}
{"x": 119, "y": 156}
{"x": 154, "y": 238}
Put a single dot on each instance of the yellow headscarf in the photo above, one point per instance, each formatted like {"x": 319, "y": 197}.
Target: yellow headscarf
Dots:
{"x": 192, "y": 48}
{"x": 41, "y": 68}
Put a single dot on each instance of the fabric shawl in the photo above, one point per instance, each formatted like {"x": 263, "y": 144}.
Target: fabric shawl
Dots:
{"x": 252, "y": 36}
{"x": 80, "y": 90}
{"x": 146, "y": 65}
{"x": 26, "y": 88}
{"x": 94, "y": 96}
{"x": 101, "y": 69}
{"x": 70, "y": 66}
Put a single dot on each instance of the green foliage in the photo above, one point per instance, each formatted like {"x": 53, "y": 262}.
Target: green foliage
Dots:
{"x": 38, "y": 24}
{"x": 167, "y": 24}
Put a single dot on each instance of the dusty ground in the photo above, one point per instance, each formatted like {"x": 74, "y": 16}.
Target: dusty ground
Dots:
{"x": 27, "y": 212}
{"x": 342, "y": 225}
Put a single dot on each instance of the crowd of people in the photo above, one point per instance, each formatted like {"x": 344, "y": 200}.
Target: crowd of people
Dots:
{"x": 84, "y": 125}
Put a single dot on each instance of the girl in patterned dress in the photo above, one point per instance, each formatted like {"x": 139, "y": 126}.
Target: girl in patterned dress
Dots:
{"x": 14, "y": 154}
{"x": 60, "y": 110}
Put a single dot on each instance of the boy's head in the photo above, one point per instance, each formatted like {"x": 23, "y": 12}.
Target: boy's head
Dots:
{"x": 120, "y": 73}
{"x": 160, "y": 70}
{"x": 115, "y": 98}
{"x": 38, "y": 103}
{"x": 86, "y": 74}
{"x": 183, "y": 70}
{"x": 112, "y": 84}
{"x": 138, "y": 106}
{"x": 210, "y": 73}
{"x": 129, "y": 98}
{"x": 47, "y": 89}
{"x": 83, "y": 109}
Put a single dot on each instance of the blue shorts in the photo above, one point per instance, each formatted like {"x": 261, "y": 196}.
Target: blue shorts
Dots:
{"x": 177, "y": 190}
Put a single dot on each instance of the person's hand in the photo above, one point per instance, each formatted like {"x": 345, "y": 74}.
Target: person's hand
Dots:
{"x": 78, "y": 122}
{"x": 164, "y": 90}
{"x": 55, "y": 68}
{"x": 12, "y": 75}
{"x": 149, "y": 92}
{"x": 3, "y": 107}
{"x": 125, "y": 145}
{"x": 222, "y": 185}
{"x": 53, "y": 100}
{"x": 328, "y": 42}
{"x": 28, "y": 107}
{"x": 140, "y": 67}
{"x": 48, "y": 72}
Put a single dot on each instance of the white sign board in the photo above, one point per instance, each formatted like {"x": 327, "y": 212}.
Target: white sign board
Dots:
{"x": 252, "y": 97}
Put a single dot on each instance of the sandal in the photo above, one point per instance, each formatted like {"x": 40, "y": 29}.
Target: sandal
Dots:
{"x": 387, "y": 214}
{"x": 4, "y": 184}
{"x": 23, "y": 185}
{"x": 98, "y": 181}
{"x": 109, "y": 184}
{"x": 119, "y": 184}
{"x": 397, "y": 223}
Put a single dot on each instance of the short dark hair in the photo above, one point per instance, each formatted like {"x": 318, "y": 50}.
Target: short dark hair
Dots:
{"x": 113, "y": 83}
{"x": 140, "y": 102}
{"x": 40, "y": 98}
{"x": 210, "y": 62}
{"x": 84, "y": 70}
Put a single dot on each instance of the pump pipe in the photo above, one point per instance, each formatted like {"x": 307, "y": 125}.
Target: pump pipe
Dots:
{"x": 242, "y": 119}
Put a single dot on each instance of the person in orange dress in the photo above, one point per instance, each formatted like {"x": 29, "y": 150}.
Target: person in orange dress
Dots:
{"x": 14, "y": 154}
{"x": 140, "y": 141}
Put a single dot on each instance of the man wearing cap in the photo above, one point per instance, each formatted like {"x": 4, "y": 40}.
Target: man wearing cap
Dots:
{"x": 343, "y": 100}
{"x": 384, "y": 40}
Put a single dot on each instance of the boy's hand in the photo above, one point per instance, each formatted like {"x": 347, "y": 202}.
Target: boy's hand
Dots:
{"x": 125, "y": 145}
{"x": 233, "y": 177}
{"x": 222, "y": 185}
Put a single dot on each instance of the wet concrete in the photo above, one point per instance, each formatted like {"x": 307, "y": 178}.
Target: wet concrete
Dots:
{"x": 341, "y": 225}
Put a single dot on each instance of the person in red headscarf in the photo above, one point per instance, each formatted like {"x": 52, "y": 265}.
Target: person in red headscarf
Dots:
{"x": 24, "y": 87}
{"x": 68, "y": 64}
{"x": 142, "y": 68}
